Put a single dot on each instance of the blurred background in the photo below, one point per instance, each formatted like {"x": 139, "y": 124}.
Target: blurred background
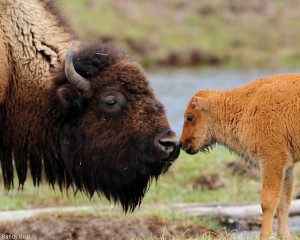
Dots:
{"x": 185, "y": 46}
{"x": 178, "y": 33}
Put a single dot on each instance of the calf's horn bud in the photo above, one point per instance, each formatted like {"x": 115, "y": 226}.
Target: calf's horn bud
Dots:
{"x": 71, "y": 74}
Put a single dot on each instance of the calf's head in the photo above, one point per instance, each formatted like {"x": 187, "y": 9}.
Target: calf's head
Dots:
{"x": 114, "y": 135}
{"x": 197, "y": 133}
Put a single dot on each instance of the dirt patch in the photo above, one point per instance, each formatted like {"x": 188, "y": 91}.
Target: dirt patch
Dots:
{"x": 243, "y": 169}
{"x": 102, "y": 227}
{"x": 241, "y": 224}
{"x": 209, "y": 182}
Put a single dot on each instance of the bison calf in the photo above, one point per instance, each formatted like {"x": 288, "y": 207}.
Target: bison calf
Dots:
{"x": 260, "y": 122}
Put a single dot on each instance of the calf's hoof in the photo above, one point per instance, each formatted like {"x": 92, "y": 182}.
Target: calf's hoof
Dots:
{"x": 265, "y": 237}
{"x": 285, "y": 236}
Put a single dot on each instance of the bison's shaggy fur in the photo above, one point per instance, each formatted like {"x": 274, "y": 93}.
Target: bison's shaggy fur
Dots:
{"x": 111, "y": 138}
{"x": 260, "y": 122}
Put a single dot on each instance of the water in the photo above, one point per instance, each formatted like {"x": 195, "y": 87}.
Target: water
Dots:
{"x": 176, "y": 88}
{"x": 293, "y": 227}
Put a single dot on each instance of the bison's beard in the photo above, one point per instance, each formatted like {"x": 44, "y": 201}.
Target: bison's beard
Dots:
{"x": 121, "y": 174}
{"x": 120, "y": 170}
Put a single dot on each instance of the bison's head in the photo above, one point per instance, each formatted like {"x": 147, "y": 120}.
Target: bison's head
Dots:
{"x": 197, "y": 133}
{"x": 114, "y": 135}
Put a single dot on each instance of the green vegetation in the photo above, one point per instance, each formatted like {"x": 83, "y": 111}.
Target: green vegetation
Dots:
{"x": 179, "y": 184}
{"x": 192, "y": 33}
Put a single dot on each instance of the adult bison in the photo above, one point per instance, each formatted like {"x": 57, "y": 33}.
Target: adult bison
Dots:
{"x": 90, "y": 122}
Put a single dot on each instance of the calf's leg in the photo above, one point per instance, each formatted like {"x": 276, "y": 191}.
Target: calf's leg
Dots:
{"x": 272, "y": 172}
{"x": 284, "y": 204}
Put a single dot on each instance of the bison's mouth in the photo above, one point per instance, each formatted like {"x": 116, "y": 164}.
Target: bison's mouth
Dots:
{"x": 174, "y": 154}
{"x": 166, "y": 163}
{"x": 164, "y": 148}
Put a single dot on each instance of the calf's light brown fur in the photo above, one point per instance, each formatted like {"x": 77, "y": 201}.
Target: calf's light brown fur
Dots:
{"x": 261, "y": 122}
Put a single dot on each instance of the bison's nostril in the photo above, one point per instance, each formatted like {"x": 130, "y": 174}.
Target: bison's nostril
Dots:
{"x": 169, "y": 145}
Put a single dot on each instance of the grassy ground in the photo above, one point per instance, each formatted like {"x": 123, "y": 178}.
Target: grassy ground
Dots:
{"x": 188, "y": 180}
{"x": 193, "y": 33}
{"x": 182, "y": 183}
{"x": 179, "y": 184}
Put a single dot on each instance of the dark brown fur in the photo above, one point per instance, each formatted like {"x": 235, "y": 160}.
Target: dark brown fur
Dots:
{"x": 68, "y": 136}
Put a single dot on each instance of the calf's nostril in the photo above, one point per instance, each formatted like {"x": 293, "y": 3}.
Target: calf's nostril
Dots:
{"x": 185, "y": 146}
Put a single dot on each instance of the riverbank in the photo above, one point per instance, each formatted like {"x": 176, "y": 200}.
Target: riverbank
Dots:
{"x": 216, "y": 178}
{"x": 178, "y": 221}
{"x": 104, "y": 227}
{"x": 194, "y": 33}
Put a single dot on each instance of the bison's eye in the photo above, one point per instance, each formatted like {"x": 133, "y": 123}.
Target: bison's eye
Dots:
{"x": 189, "y": 118}
{"x": 110, "y": 101}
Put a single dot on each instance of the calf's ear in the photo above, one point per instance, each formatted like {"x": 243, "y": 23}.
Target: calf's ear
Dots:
{"x": 200, "y": 103}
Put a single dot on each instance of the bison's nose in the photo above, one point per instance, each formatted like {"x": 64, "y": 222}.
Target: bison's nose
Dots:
{"x": 170, "y": 146}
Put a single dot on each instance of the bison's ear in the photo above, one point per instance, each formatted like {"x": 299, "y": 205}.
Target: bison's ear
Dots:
{"x": 70, "y": 99}
{"x": 200, "y": 103}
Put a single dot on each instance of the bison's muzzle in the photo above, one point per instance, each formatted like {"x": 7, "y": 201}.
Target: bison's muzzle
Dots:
{"x": 169, "y": 146}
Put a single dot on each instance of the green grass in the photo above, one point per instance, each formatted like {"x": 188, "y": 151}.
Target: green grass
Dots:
{"x": 211, "y": 238}
{"x": 173, "y": 187}
{"x": 176, "y": 186}
{"x": 239, "y": 33}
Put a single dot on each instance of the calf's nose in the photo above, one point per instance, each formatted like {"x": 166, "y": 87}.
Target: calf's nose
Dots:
{"x": 185, "y": 146}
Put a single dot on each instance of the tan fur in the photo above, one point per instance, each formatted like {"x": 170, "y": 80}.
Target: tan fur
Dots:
{"x": 261, "y": 122}
{"x": 4, "y": 68}
{"x": 26, "y": 26}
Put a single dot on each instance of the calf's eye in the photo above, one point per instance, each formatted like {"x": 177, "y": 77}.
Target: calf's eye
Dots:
{"x": 189, "y": 118}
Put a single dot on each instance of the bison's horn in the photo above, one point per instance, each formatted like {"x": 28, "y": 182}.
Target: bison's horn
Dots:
{"x": 71, "y": 74}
